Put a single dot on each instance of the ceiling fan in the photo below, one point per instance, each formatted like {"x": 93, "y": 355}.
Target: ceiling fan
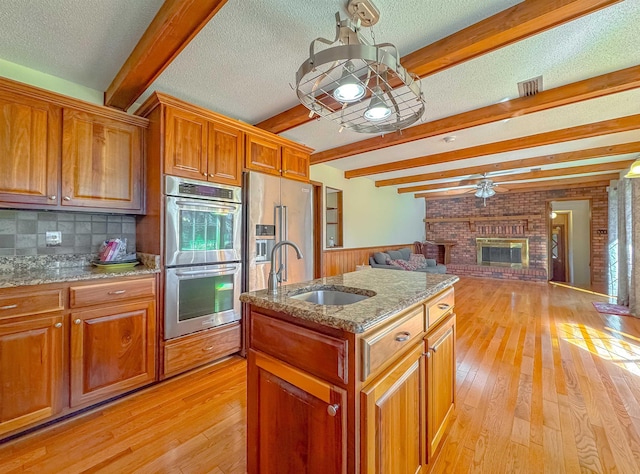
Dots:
{"x": 486, "y": 188}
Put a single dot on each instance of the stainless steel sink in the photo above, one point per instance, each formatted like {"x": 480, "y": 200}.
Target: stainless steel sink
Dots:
{"x": 329, "y": 297}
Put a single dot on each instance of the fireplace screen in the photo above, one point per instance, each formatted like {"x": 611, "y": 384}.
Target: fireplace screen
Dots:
{"x": 503, "y": 252}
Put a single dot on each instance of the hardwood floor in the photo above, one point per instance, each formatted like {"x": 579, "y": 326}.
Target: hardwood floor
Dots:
{"x": 545, "y": 384}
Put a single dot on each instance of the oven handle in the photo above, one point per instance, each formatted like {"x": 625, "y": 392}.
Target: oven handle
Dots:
{"x": 206, "y": 272}
{"x": 198, "y": 204}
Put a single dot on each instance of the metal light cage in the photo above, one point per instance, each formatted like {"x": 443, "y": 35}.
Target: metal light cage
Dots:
{"x": 373, "y": 65}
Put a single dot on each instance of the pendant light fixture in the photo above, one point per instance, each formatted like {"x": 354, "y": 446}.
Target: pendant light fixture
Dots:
{"x": 361, "y": 86}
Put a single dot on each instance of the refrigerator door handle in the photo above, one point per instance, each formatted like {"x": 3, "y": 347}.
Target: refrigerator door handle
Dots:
{"x": 279, "y": 218}
{"x": 285, "y": 274}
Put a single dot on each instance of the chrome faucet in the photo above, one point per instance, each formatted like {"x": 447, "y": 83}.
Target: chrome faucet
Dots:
{"x": 273, "y": 275}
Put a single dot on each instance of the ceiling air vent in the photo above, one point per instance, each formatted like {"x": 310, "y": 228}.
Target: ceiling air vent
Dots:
{"x": 530, "y": 86}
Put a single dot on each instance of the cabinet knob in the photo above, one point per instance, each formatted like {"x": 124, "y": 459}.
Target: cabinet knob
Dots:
{"x": 332, "y": 410}
{"x": 433, "y": 349}
{"x": 53, "y": 197}
{"x": 427, "y": 355}
{"x": 403, "y": 336}
{"x": 443, "y": 306}
{"x": 67, "y": 198}
{"x": 57, "y": 325}
{"x": 204, "y": 174}
{"x": 77, "y": 321}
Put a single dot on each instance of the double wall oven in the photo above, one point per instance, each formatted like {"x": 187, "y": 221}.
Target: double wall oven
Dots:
{"x": 202, "y": 255}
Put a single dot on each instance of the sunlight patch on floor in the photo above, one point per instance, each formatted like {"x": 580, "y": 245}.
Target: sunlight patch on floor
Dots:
{"x": 606, "y": 346}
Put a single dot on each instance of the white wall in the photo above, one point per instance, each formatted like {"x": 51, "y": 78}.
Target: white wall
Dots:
{"x": 579, "y": 239}
{"x": 373, "y": 216}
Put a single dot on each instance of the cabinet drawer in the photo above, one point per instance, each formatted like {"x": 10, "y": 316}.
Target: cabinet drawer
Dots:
{"x": 205, "y": 346}
{"x": 438, "y": 307}
{"x": 18, "y": 302}
{"x": 319, "y": 354}
{"x": 380, "y": 346}
{"x": 111, "y": 292}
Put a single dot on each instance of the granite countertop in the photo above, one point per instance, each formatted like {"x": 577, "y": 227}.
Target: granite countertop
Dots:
{"x": 395, "y": 291}
{"x": 59, "y": 269}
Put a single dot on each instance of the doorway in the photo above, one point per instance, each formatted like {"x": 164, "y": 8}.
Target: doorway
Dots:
{"x": 570, "y": 242}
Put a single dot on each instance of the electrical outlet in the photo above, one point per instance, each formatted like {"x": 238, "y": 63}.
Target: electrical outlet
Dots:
{"x": 53, "y": 239}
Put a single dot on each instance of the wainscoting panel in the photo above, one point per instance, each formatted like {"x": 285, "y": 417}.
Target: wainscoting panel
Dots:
{"x": 339, "y": 261}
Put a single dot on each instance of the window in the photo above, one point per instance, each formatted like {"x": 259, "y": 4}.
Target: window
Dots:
{"x": 333, "y": 217}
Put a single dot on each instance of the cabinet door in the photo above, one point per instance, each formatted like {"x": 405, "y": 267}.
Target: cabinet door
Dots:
{"x": 112, "y": 351}
{"x": 29, "y": 150}
{"x": 225, "y": 155}
{"x": 441, "y": 380}
{"x": 30, "y": 370}
{"x": 263, "y": 155}
{"x": 296, "y": 422}
{"x": 393, "y": 418}
{"x": 185, "y": 144}
{"x": 295, "y": 164}
{"x": 101, "y": 162}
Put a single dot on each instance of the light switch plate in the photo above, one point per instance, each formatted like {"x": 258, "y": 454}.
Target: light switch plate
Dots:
{"x": 53, "y": 239}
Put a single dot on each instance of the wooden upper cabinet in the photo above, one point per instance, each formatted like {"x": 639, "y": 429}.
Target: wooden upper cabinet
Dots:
{"x": 101, "y": 162}
{"x": 263, "y": 155}
{"x": 112, "y": 351}
{"x": 29, "y": 150}
{"x": 185, "y": 144}
{"x": 295, "y": 164}
{"x": 224, "y": 154}
{"x": 31, "y": 368}
{"x": 393, "y": 427}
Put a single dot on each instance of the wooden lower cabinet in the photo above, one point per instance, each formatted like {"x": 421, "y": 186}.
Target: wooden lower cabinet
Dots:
{"x": 393, "y": 418}
{"x": 31, "y": 369}
{"x": 441, "y": 380}
{"x": 112, "y": 351}
{"x": 296, "y": 422}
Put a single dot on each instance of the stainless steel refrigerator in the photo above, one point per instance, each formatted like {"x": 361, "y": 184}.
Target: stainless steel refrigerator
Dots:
{"x": 277, "y": 209}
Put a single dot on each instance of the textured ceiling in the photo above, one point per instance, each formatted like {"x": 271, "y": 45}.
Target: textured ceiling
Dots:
{"x": 243, "y": 62}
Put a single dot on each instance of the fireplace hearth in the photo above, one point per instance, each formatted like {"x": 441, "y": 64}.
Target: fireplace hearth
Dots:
{"x": 501, "y": 252}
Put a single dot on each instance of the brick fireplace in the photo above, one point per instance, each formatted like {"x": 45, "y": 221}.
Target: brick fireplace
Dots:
{"x": 509, "y": 216}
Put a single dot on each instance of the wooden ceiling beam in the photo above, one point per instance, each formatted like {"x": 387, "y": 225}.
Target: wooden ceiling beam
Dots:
{"x": 174, "y": 26}
{"x": 538, "y": 174}
{"x": 568, "y": 183}
{"x": 606, "y": 127}
{"x": 599, "y": 152}
{"x": 600, "y": 86}
{"x": 521, "y": 21}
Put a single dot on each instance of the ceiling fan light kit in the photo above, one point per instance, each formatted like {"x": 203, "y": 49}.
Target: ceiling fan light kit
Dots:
{"x": 361, "y": 86}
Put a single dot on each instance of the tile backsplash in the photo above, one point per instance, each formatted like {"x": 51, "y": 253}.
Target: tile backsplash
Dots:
{"x": 23, "y": 232}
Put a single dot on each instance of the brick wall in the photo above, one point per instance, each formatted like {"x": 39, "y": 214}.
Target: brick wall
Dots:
{"x": 525, "y": 203}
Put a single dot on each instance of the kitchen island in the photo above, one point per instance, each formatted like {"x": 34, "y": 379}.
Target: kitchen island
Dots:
{"x": 362, "y": 387}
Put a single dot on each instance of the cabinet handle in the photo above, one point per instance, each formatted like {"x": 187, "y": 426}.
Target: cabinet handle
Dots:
{"x": 207, "y": 349}
{"x": 57, "y": 325}
{"x": 204, "y": 174}
{"x": 117, "y": 292}
{"x": 427, "y": 355}
{"x": 77, "y": 321}
{"x": 443, "y": 306}
{"x": 332, "y": 410}
{"x": 433, "y": 349}
{"x": 53, "y": 197}
{"x": 9, "y": 306}
{"x": 403, "y": 336}
{"x": 67, "y": 198}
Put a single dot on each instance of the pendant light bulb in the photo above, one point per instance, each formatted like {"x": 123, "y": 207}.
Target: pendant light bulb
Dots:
{"x": 378, "y": 109}
{"x": 349, "y": 89}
